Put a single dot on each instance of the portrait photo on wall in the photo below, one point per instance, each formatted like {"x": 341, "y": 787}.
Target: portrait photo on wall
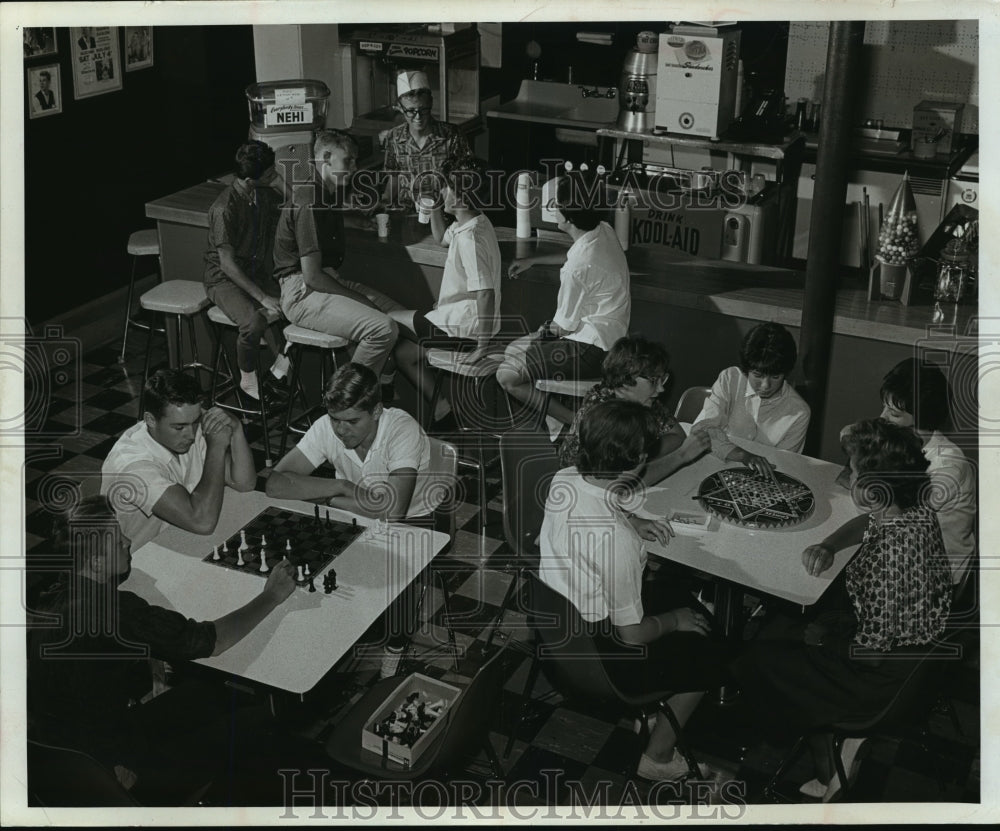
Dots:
{"x": 39, "y": 41}
{"x": 96, "y": 56}
{"x": 44, "y": 90}
{"x": 138, "y": 47}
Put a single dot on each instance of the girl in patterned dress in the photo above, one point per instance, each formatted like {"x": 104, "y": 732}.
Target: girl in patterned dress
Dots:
{"x": 900, "y": 590}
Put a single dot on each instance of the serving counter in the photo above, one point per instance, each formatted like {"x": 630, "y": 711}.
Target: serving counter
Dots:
{"x": 699, "y": 309}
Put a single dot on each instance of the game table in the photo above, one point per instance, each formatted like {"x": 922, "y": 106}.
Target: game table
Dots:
{"x": 761, "y": 560}
{"x": 301, "y": 640}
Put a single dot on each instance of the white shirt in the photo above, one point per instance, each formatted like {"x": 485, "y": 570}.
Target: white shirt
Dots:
{"x": 591, "y": 555}
{"x": 738, "y": 412}
{"x": 399, "y": 443}
{"x": 953, "y": 497}
{"x": 473, "y": 264}
{"x": 136, "y": 473}
{"x": 594, "y": 303}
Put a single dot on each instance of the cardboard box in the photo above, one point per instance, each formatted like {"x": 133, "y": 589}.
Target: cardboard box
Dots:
{"x": 929, "y": 117}
{"x": 401, "y": 753}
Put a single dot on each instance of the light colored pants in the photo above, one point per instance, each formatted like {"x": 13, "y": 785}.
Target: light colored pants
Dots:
{"x": 368, "y": 326}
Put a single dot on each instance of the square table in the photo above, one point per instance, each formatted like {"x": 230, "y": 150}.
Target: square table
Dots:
{"x": 302, "y": 639}
{"x": 763, "y": 560}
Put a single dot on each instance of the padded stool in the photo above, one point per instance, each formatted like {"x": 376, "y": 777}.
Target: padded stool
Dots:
{"x": 573, "y": 389}
{"x": 145, "y": 243}
{"x": 298, "y": 338}
{"x": 245, "y": 404}
{"x": 179, "y": 299}
{"x": 447, "y": 361}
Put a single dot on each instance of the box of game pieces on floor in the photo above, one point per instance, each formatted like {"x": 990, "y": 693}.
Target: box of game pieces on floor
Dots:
{"x": 410, "y": 719}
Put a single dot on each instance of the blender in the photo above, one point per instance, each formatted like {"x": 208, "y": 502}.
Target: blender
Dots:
{"x": 638, "y": 85}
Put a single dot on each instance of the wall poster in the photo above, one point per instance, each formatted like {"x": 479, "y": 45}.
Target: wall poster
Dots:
{"x": 96, "y": 54}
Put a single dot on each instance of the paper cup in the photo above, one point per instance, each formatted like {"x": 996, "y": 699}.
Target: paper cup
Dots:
{"x": 382, "y": 221}
{"x": 424, "y": 206}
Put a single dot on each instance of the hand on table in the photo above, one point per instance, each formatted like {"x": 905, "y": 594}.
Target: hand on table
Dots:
{"x": 654, "y": 530}
{"x": 817, "y": 559}
{"x": 519, "y": 266}
{"x": 759, "y": 465}
{"x": 688, "y": 620}
{"x": 280, "y": 582}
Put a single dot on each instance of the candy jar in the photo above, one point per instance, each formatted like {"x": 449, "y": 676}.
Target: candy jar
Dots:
{"x": 954, "y": 272}
{"x": 898, "y": 240}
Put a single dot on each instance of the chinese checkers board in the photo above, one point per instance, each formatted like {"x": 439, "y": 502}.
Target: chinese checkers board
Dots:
{"x": 741, "y": 496}
{"x": 310, "y": 543}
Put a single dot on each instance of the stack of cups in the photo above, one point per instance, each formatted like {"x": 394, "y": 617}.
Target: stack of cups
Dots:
{"x": 522, "y": 203}
{"x": 623, "y": 217}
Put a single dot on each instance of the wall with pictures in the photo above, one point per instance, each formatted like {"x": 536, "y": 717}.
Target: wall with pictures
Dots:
{"x": 90, "y": 168}
{"x": 906, "y": 62}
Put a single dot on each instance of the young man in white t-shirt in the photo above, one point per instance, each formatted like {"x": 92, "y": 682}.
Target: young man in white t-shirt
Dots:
{"x": 381, "y": 455}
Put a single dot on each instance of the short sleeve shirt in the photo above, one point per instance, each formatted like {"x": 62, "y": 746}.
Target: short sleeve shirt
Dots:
{"x": 244, "y": 221}
{"x": 136, "y": 473}
{"x": 472, "y": 264}
{"x": 399, "y": 443}
{"x": 900, "y": 582}
{"x": 444, "y": 142}
{"x": 311, "y": 221}
{"x": 953, "y": 497}
{"x": 590, "y": 553}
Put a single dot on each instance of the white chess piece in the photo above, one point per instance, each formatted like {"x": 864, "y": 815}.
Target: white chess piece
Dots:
{"x": 215, "y": 553}
{"x": 239, "y": 557}
{"x": 263, "y": 541}
{"x": 301, "y": 576}
{"x": 263, "y": 564}
{"x": 307, "y": 571}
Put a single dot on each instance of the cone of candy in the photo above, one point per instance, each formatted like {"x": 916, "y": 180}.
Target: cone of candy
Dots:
{"x": 898, "y": 239}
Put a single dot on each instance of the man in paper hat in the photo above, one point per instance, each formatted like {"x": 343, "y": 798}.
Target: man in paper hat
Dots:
{"x": 417, "y": 149}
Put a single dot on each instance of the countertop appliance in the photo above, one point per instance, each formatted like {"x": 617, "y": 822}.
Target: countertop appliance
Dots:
{"x": 697, "y": 77}
{"x": 637, "y": 89}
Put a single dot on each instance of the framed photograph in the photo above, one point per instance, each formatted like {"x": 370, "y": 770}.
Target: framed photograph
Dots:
{"x": 138, "y": 47}
{"x": 39, "y": 41}
{"x": 44, "y": 90}
{"x": 96, "y": 56}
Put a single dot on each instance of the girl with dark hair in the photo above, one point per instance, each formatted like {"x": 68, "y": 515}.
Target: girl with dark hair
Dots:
{"x": 636, "y": 370}
{"x": 752, "y": 400}
{"x": 592, "y": 554}
{"x": 900, "y": 592}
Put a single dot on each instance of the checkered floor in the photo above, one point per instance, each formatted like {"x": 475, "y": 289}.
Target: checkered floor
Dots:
{"x": 79, "y": 419}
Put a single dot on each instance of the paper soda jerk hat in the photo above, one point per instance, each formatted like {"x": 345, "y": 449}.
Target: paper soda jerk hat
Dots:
{"x": 411, "y": 81}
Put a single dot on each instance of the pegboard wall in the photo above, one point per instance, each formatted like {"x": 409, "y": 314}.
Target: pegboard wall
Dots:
{"x": 907, "y": 61}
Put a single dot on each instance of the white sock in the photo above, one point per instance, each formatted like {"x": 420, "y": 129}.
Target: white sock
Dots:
{"x": 280, "y": 367}
{"x": 555, "y": 427}
{"x": 248, "y": 383}
{"x": 442, "y": 409}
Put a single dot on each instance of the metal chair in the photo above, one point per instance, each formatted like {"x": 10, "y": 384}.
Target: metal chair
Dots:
{"x": 231, "y": 384}
{"x": 467, "y": 729}
{"x": 299, "y": 338}
{"x": 63, "y": 777}
{"x": 179, "y": 299}
{"x": 571, "y": 389}
{"x": 572, "y": 661}
{"x": 690, "y": 403}
{"x": 144, "y": 243}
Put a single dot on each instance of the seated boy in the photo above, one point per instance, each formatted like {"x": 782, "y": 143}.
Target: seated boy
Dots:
{"x": 381, "y": 455}
{"x": 916, "y": 395}
{"x": 239, "y": 262}
{"x": 752, "y": 400}
{"x": 173, "y": 466}
{"x": 593, "y": 307}
{"x": 636, "y": 370}
{"x": 467, "y": 313}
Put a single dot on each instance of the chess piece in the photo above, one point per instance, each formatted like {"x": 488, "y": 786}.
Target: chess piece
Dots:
{"x": 263, "y": 541}
{"x": 312, "y": 586}
{"x": 263, "y": 564}
{"x": 215, "y": 553}
{"x": 316, "y": 512}
{"x": 225, "y": 548}
{"x": 300, "y": 577}
{"x": 354, "y": 521}
{"x": 307, "y": 570}
{"x": 333, "y": 579}
{"x": 327, "y": 583}
{"x": 239, "y": 558}
{"x": 288, "y": 547}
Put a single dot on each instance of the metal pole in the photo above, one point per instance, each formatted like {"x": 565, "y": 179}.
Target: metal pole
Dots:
{"x": 842, "y": 90}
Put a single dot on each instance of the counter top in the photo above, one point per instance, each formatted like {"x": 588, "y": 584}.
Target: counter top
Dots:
{"x": 658, "y": 275}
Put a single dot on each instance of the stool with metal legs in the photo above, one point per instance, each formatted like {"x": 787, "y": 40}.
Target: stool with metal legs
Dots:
{"x": 145, "y": 243}
{"x": 446, "y": 361}
{"x": 573, "y": 389}
{"x": 245, "y": 404}
{"x": 299, "y": 338}
{"x": 179, "y": 299}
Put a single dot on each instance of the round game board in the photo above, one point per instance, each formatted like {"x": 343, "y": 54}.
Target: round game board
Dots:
{"x": 740, "y": 496}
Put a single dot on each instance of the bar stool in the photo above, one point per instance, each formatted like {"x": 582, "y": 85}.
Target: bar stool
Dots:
{"x": 573, "y": 389}
{"x": 298, "y": 338}
{"x": 445, "y": 361}
{"x": 179, "y": 299}
{"x": 144, "y": 243}
{"x": 230, "y": 382}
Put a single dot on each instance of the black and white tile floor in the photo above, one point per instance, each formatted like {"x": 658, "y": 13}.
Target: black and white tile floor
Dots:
{"x": 79, "y": 418}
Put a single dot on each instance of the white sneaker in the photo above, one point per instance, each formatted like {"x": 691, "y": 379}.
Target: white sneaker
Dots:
{"x": 670, "y": 771}
{"x": 249, "y": 385}
{"x": 281, "y": 367}
{"x": 813, "y": 788}
{"x": 554, "y": 426}
{"x": 392, "y": 657}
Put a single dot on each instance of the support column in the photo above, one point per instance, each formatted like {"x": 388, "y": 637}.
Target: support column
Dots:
{"x": 843, "y": 89}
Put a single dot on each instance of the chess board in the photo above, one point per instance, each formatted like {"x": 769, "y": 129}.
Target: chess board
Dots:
{"x": 740, "y": 496}
{"x": 316, "y": 541}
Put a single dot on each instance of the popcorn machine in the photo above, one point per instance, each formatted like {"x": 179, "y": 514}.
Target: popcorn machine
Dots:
{"x": 449, "y": 58}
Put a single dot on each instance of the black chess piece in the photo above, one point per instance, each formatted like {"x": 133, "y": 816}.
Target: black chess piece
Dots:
{"x": 327, "y": 584}
{"x": 333, "y": 579}
{"x": 354, "y": 522}
{"x": 312, "y": 586}
{"x": 316, "y": 512}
